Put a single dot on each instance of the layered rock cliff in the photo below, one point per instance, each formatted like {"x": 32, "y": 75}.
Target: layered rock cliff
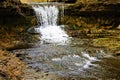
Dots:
{"x": 96, "y": 13}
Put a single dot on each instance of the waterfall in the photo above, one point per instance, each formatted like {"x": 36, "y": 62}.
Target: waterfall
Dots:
{"x": 47, "y": 17}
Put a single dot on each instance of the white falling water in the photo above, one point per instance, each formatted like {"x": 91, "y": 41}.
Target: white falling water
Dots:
{"x": 47, "y": 16}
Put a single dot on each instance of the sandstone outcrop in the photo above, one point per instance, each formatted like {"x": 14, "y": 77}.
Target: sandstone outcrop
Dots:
{"x": 95, "y": 13}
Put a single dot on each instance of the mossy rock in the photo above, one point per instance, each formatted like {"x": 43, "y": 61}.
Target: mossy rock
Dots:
{"x": 111, "y": 43}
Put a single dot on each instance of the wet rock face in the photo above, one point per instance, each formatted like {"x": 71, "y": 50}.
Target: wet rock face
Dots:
{"x": 67, "y": 1}
{"x": 101, "y": 1}
{"x": 95, "y": 12}
{"x": 13, "y": 12}
{"x": 14, "y": 7}
{"x": 95, "y": 7}
{"x": 70, "y": 1}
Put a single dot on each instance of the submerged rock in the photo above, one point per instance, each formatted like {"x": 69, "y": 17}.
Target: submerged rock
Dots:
{"x": 33, "y": 30}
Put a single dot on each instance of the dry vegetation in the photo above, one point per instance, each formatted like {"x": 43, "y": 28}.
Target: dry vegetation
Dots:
{"x": 11, "y": 67}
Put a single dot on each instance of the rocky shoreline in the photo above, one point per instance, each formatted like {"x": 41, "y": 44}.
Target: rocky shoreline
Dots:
{"x": 14, "y": 21}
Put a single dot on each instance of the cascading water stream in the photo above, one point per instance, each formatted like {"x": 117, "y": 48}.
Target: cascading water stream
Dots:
{"x": 75, "y": 61}
{"x": 47, "y": 16}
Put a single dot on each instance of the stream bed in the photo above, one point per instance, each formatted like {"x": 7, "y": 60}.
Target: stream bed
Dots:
{"x": 59, "y": 57}
{"x": 73, "y": 61}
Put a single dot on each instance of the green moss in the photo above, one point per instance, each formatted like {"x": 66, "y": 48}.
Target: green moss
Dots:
{"x": 111, "y": 43}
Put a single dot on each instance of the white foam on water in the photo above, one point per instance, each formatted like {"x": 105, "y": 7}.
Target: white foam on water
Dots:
{"x": 84, "y": 54}
{"x": 54, "y": 34}
{"x": 47, "y": 16}
{"x": 81, "y": 62}
{"x": 56, "y": 59}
